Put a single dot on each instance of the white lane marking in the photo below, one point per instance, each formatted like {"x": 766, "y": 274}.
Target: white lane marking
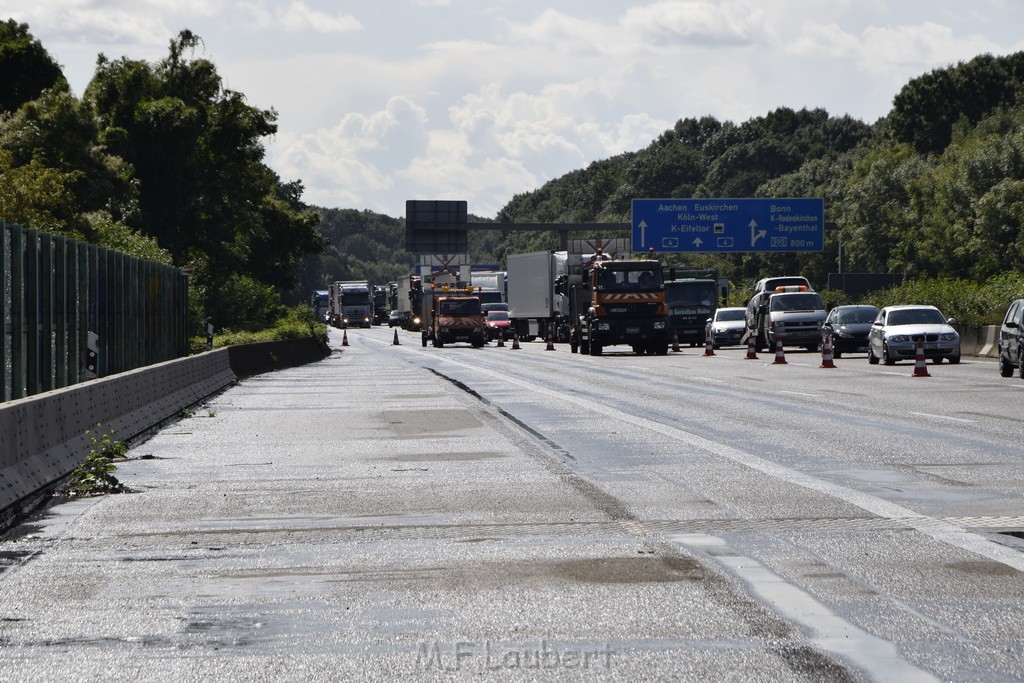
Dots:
{"x": 943, "y": 417}
{"x": 935, "y": 528}
{"x": 798, "y": 393}
{"x": 830, "y": 632}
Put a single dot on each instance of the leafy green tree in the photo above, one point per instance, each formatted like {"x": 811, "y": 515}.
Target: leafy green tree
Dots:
{"x": 927, "y": 108}
{"x": 59, "y": 132}
{"x": 26, "y": 66}
{"x": 877, "y": 216}
{"x": 204, "y": 192}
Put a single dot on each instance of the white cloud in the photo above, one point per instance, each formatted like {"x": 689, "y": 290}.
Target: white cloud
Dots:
{"x": 299, "y": 17}
{"x": 919, "y": 48}
{"x": 694, "y": 22}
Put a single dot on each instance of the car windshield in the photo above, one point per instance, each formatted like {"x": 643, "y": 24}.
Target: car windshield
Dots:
{"x": 809, "y": 301}
{"x": 916, "y": 316}
{"x": 853, "y": 316}
{"x": 724, "y": 316}
{"x": 497, "y": 315}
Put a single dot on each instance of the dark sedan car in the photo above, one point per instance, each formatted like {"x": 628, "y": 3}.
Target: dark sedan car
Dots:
{"x": 849, "y": 326}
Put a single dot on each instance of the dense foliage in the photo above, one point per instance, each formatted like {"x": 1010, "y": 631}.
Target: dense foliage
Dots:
{"x": 157, "y": 160}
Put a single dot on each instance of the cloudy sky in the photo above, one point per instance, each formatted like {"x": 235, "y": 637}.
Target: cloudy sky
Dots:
{"x": 381, "y": 101}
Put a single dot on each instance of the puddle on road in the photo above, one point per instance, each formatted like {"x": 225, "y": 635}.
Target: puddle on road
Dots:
{"x": 411, "y": 424}
{"x": 626, "y": 570}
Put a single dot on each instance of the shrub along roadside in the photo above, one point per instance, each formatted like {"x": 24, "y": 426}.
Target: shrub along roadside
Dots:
{"x": 972, "y": 303}
{"x": 296, "y": 323}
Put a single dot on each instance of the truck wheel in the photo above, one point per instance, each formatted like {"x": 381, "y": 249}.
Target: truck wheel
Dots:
{"x": 662, "y": 349}
{"x": 585, "y": 346}
{"x": 574, "y": 343}
{"x": 595, "y": 349}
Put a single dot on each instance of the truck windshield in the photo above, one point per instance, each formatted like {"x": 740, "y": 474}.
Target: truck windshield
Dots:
{"x": 809, "y": 301}
{"x": 636, "y": 278}
{"x": 456, "y": 307}
{"x": 355, "y": 298}
{"x": 690, "y": 293}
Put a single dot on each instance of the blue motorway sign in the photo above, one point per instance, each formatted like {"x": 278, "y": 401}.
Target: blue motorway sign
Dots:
{"x": 728, "y": 225}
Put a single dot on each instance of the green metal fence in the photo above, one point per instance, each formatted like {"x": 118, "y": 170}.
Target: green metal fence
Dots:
{"x": 72, "y": 311}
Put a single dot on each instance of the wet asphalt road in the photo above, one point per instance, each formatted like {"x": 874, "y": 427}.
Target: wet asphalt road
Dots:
{"x": 400, "y": 511}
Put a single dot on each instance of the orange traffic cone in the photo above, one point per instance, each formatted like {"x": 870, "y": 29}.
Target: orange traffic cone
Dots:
{"x": 709, "y": 346}
{"x": 675, "y": 341}
{"x": 780, "y": 355}
{"x": 396, "y": 342}
{"x": 751, "y": 351}
{"x": 920, "y": 367}
{"x": 344, "y": 337}
{"x": 826, "y": 353}
{"x": 551, "y": 342}
{"x": 501, "y": 339}
{"x": 515, "y": 341}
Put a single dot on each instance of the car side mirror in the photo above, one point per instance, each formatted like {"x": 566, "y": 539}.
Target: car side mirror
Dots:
{"x": 951, "y": 322}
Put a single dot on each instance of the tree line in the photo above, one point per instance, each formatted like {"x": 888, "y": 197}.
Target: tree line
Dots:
{"x": 164, "y": 162}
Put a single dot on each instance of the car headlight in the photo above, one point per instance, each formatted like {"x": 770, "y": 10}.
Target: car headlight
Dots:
{"x": 659, "y": 324}
{"x": 899, "y": 338}
{"x": 949, "y": 336}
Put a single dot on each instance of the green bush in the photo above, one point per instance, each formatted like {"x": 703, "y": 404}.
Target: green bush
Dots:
{"x": 244, "y": 304}
{"x": 294, "y": 323}
{"x": 972, "y": 303}
{"x": 95, "y": 476}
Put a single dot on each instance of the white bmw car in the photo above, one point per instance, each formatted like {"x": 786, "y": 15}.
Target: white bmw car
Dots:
{"x": 897, "y": 329}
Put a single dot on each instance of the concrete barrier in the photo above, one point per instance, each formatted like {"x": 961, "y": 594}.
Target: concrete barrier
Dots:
{"x": 43, "y": 437}
{"x": 982, "y": 342}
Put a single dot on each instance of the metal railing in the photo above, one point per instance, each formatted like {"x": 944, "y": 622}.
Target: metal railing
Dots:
{"x": 72, "y": 311}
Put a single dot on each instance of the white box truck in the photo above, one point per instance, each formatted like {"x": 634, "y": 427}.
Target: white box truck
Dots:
{"x": 534, "y": 307}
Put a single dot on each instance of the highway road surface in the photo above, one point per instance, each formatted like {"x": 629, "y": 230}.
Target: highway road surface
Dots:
{"x": 498, "y": 513}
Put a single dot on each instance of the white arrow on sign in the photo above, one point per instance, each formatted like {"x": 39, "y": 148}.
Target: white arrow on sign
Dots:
{"x": 643, "y": 233}
{"x": 755, "y": 236}
{"x": 697, "y": 242}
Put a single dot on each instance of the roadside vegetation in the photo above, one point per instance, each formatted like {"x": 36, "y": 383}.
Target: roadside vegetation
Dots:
{"x": 95, "y": 476}
{"x": 933, "y": 191}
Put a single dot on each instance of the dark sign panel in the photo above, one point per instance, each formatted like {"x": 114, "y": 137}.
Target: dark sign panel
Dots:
{"x": 436, "y": 226}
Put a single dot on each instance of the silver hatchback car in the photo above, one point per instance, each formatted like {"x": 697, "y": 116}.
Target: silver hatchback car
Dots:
{"x": 897, "y": 329}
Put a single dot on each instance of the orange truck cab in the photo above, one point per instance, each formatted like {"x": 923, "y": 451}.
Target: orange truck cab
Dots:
{"x": 456, "y": 316}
